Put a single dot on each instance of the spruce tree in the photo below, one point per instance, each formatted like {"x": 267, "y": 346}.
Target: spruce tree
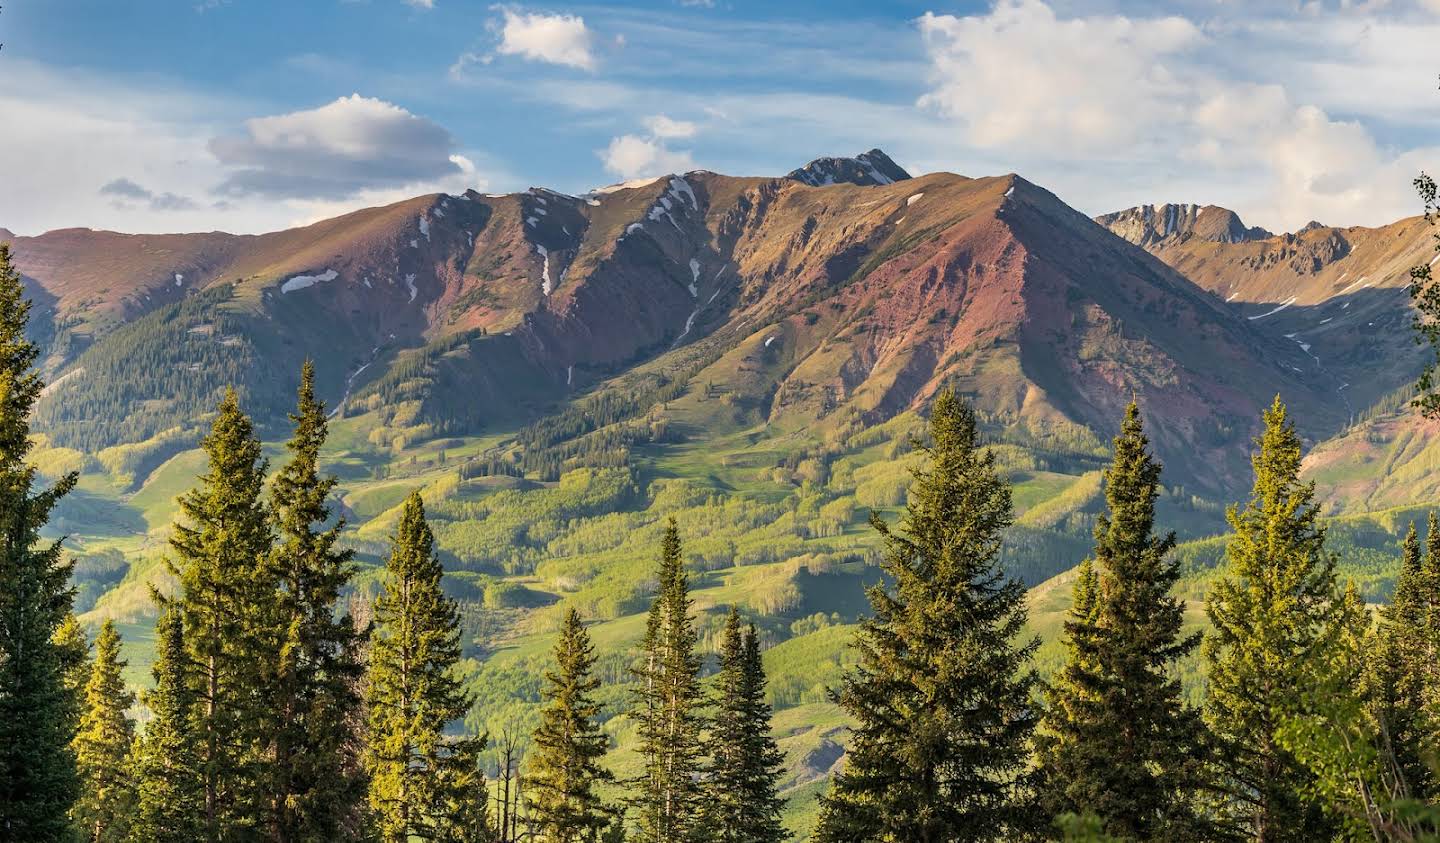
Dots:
{"x": 316, "y": 785}
{"x": 170, "y": 791}
{"x": 227, "y": 602}
{"x": 569, "y": 745}
{"x": 1120, "y": 743}
{"x": 1276, "y": 614}
{"x": 420, "y": 778}
{"x": 38, "y": 782}
{"x": 1400, "y": 671}
{"x": 667, "y": 707}
{"x": 742, "y": 802}
{"x": 102, "y": 747}
{"x": 941, "y": 696}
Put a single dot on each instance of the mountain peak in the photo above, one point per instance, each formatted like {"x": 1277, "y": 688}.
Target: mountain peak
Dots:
{"x": 6, "y": 235}
{"x": 867, "y": 168}
{"x": 1147, "y": 224}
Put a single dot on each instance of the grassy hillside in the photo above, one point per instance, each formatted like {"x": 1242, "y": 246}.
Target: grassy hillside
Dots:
{"x": 774, "y": 521}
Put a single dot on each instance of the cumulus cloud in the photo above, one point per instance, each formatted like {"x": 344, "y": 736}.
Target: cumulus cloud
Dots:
{"x": 1151, "y": 95}
{"x": 351, "y": 145}
{"x": 635, "y": 156}
{"x": 554, "y": 39}
{"x": 124, "y": 191}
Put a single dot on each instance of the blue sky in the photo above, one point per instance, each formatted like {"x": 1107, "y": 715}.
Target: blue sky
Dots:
{"x": 247, "y": 115}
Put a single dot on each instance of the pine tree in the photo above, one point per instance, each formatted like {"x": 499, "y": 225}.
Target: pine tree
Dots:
{"x": 1121, "y": 745}
{"x": 227, "y": 602}
{"x": 102, "y": 747}
{"x": 38, "y": 782}
{"x": 1276, "y": 613}
{"x": 170, "y": 791}
{"x": 741, "y": 800}
{"x": 667, "y": 708}
{"x": 420, "y": 779}
{"x": 74, "y": 647}
{"x": 1400, "y": 672}
{"x": 940, "y": 697}
{"x": 316, "y": 785}
{"x": 569, "y": 745}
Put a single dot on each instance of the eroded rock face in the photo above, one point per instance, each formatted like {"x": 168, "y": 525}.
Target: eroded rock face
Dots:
{"x": 1145, "y": 225}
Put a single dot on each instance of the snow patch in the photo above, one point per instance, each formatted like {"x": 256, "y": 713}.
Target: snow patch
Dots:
{"x": 530, "y": 221}
{"x": 179, "y": 279}
{"x": 1010, "y": 191}
{"x": 414, "y": 244}
{"x": 424, "y": 227}
{"x": 545, "y": 285}
{"x": 916, "y": 198}
{"x": 679, "y": 187}
{"x": 570, "y": 374}
{"x": 410, "y": 283}
{"x": 1286, "y": 304}
{"x": 300, "y": 282}
{"x": 695, "y": 273}
{"x": 769, "y": 340}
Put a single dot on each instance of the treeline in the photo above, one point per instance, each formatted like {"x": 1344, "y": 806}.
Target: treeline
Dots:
{"x": 161, "y": 367}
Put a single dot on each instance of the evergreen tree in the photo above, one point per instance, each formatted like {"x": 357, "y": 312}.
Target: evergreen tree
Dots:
{"x": 38, "y": 782}
{"x": 1120, "y": 743}
{"x": 1276, "y": 614}
{"x": 421, "y": 780}
{"x": 1400, "y": 671}
{"x": 569, "y": 745}
{"x": 667, "y": 708}
{"x": 940, "y": 697}
{"x": 227, "y": 603}
{"x": 742, "y": 800}
{"x": 102, "y": 747}
{"x": 74, "y": 649}
{"x": 316, "y": 786}
{"x": 170, "y": 792}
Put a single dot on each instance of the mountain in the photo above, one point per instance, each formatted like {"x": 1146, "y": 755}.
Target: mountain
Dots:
{"x": 1339, "y": 294}
{"x": 1146, "y": 225}
{"x": 867, "y": 168}
{"x": 558, "y": 375}
{"x": 448, "y": 313}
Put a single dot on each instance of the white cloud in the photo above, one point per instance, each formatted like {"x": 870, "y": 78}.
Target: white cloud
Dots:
{"x": 1020, "y": 75}
{"x": 661, "y": 126}
{"x": 555, "y": 39}
{"x": 421, "y": 4}
{"x": 634, "y": 156}
{"x": 337, "y": 150}
{"x": 1168, "y": 105}
{"x": 90, "y": 150}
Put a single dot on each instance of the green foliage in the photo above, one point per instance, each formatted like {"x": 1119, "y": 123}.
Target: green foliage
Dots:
{"x": 162, "y": 367}
{"x": 742, "y": 805}
{"x": 226, "y": 603}
{"x": 38, "y": 781}
{"x": 666, "y": 710}
{"x": 422, "y": 780}
{"x": 926, "y": 762}
{"x": 565, "y": 769}
{"x": 103, "y": 746}
{"x": 1118, "y": 741}
{"x": 170, "y": 792}
{"x": 1426, "y": 295}
{"x": 315, "y": 787}
{"x": 1277, "y": 617}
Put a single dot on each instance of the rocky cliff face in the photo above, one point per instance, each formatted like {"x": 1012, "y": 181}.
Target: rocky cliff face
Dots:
{"x": 1146, "y": 225}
